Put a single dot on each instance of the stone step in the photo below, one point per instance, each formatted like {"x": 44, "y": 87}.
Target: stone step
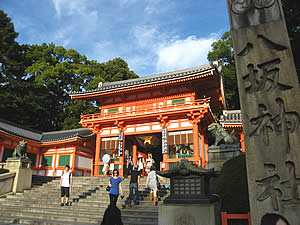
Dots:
{"x": 23, "y": 221}
{"x": 70, "y": 216}
{"x": 53, "y": 216}
{"x": 35, "y": 221}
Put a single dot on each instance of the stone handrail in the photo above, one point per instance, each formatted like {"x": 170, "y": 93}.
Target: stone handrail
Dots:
{"x": 2, "y": 165}
{"x": 6, "y": 182}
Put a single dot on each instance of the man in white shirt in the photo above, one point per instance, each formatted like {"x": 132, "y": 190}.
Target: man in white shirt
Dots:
{"x": 65, "y": 185}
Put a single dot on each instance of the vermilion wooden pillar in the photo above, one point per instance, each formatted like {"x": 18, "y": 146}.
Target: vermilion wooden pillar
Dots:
{"x": 134, "y": 152}
{"x": 203, "y": 151}
{"x": 196, "y": 140}
{"x": 242, "y": 140}
{"x": 73, "y": 160}
{"x": 97, "y": 155}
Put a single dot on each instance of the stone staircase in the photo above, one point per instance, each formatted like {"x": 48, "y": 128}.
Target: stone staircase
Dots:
{"x": 41, "y": 204}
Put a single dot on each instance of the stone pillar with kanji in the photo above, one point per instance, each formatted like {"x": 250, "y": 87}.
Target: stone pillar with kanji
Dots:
{"x": 269, "y": 95}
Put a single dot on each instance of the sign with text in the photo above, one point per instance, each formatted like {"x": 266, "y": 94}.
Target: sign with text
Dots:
{"x": 121, "y": 139}
{"x": 164, "y": 139}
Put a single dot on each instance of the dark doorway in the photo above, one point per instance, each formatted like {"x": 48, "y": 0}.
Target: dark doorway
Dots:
{"x": 146, "y": 143}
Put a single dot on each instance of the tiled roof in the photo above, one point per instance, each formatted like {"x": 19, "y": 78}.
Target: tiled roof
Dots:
{"x": 66, "y": 134}
{"x": 231, "y": 116}
{"x": 20, "y": 131}
{"x": 159, "y": 78}
{"x": 42, "y": 137}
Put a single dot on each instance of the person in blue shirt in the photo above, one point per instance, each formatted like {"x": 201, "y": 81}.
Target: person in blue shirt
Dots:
{"x": 115, "y": 187}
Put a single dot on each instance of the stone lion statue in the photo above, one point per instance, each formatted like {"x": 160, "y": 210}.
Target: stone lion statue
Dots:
{"x": 20, "y": 150}
{"x": 221, "y": 135}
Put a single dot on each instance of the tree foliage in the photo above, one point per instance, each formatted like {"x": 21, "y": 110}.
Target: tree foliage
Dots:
{"x": 222, "y": 51}
{"x": 35, "y": 81}
{"x": 291, "y": 10}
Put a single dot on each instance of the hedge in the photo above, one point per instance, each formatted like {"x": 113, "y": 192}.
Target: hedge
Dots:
{"x": 232, "y": 186}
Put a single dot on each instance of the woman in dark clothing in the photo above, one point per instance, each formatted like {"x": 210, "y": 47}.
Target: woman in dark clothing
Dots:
{"x": 115, "y": 187}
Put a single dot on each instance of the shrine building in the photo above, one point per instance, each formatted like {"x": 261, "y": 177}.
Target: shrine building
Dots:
{"x": 165, "y": 114}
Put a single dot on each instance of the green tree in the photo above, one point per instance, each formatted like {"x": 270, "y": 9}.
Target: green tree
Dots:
{"x": 61, "y": 71}
{"x": 222, "y": 51}
{"x": 35, "y": 81}
{"x": 291, "y": 10}
{"x": 10, "y": 57}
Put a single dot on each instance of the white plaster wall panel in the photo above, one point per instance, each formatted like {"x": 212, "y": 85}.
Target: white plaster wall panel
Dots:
{"x": 105, "y": 111}
{"x": 120, "y": 109}
{"x": 109, "y": 138}
{"x": 186, "y": 124}
{"x": 188, "y": 99}
{"x": 49, "y": 172}
{"x": 174, "y": 125}
{"x": 41, "y": 172}
{"x": 156, "y": 127}
{"x": 58, "y": 172}
{"x": 34, "y": 171}
{"x": 128, "y": 109}
{"x": 83, "y": 162}
{"x": 144, "y": 128}
{"x": 78, "y": 173}
{"x": 105, "y": 132}
{"x": 114, "y": 131}
{"x": 129, "y": 130}
{"x": 169, "y": 102}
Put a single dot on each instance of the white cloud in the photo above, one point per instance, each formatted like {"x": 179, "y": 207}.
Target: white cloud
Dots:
{"x": 72, "y": 7}
{"x": 125, "y": 2}
{"x": 168, "y": 52}
{"x": 181, "y": 54}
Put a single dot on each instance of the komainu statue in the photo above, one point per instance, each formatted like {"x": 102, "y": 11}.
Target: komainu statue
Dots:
{"x": 221, "y": 135}
{"x": 20, "y": 150}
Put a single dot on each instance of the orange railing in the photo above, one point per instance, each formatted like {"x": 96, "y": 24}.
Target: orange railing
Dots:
{"x": 202, "y": 103}
{"x": 225, "y": 217}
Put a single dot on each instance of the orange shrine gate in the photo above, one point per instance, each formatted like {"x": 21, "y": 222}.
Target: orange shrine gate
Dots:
{"x": 165, "y": 114}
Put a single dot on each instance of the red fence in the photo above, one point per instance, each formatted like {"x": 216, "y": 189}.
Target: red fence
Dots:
{"x": 226, "y": 217}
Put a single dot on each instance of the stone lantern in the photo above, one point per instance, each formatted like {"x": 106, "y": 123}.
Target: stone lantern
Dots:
{"x": 191, "y": 200}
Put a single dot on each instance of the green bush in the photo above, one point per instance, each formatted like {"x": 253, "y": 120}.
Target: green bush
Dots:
{"x": 3, "y": 171}
{"x": 232, "y": 186}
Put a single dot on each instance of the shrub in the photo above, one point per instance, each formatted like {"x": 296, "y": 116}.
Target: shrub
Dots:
{"x": 232, "y": 186}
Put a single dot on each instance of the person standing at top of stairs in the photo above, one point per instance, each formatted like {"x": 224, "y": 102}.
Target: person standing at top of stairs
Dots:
{"x": 65, "y": 185}
{"x": 115, "y": 187}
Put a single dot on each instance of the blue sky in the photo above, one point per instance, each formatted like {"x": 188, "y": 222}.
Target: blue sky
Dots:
{"x": 152, "y": 36}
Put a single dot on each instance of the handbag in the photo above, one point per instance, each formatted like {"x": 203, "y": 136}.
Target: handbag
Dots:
{"x": 108, "y": 188}
{"x": 157, "y": 181}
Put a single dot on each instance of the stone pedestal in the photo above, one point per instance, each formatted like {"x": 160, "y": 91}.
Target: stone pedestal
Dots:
{"x": 218, "y": 155}
{"x": 23, "y": 172}
{"x": 192, "y": 214}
